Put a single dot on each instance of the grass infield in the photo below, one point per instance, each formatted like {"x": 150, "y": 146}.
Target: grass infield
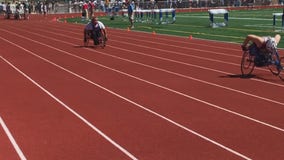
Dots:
{"x": 196, "y": 24}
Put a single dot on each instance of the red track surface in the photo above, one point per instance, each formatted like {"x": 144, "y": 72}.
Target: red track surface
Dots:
{"x": 144, "y": 96}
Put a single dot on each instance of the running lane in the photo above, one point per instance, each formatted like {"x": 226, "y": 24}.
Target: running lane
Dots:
{"x": 192, "y": 114}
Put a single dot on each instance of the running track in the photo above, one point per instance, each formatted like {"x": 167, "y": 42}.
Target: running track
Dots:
{"x": 144, "y": 96}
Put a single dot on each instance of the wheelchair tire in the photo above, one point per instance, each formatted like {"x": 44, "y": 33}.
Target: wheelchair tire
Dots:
{"x": 274, "y": 69}
{"x": 86, "y": 43}
{"x": 281, "y": 71}
{"x": 102, "y": 42}
{"x": 247, "y": 64}
{"x": 86, "y": 38}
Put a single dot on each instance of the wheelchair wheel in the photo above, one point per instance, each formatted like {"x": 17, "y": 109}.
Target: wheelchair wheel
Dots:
{"x": 102, "y": 42}
{"x": 86, "y": 42}
{"x": 86, "y": 38}
{"x": 247, "y": 64}
{"x": 281, "y": 71}
{"x": 274, "y": 68}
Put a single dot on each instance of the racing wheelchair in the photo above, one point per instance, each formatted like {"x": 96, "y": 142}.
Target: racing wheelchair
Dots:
{"x": 255, "y": 57}
{"x": 98, "y": 38}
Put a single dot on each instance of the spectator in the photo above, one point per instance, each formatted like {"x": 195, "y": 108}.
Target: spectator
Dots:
{"x": 130, "y": 10}
{"x": 85, "y": 11}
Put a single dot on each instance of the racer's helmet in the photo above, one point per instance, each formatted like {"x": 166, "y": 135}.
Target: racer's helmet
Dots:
{"x": 271, "y": 45}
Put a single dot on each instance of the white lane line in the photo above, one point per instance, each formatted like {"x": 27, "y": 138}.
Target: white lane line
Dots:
{"x": 127, "y": 100}
{"x": 174, "y": 91}
{"x": 162, "y": 58}
{"x": 72, "y": 111}
{"x": 11, "y": 138}
{"x": 169, "y": 89}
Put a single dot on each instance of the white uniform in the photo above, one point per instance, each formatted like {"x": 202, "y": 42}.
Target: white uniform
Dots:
{"x": 90, "y": 26}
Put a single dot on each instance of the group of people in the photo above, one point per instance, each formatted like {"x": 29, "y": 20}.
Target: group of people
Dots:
{"x": 23, "y": 8}
{"x": 20, "y": 10}
{"x": 88, "y": 9}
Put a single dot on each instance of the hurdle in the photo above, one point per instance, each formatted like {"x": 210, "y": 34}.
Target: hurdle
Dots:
{"x": 213, "y": 12}
{"x": 166, "y": 11}
{"x": 154, "y": 16}
{"x": 274, "y": 20}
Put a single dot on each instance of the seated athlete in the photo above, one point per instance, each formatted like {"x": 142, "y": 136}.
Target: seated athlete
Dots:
{"x": 96, "y": 29}
{"x": 268, "y": 43}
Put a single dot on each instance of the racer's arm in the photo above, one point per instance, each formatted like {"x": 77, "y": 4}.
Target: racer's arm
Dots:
{"x": 103, "y": 28}
{"x": 259, "y": 41}
{"x": 105, "y": 33}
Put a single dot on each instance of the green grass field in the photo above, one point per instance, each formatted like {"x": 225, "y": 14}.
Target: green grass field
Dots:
{"x": 241, "y": 23}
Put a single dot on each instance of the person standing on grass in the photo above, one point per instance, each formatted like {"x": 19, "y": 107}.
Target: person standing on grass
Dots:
{"x": 130, "y": 10}
{"x": 91, "y": 8}
{"x": 85, "y": 14}
{"x": 3, "y": 9}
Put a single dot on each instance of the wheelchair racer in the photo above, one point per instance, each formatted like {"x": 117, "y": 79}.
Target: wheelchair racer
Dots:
{"x": 268, "y": 43}
{"x": 95, "y": 29}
